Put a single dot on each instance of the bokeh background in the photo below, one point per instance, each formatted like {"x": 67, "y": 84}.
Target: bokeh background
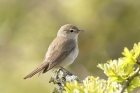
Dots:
{"x": 27, "y": 27}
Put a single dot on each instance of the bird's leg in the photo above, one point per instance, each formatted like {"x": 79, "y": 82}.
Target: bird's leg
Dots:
{"x": 65, "y": 71}
{"x": 55, "y": 73}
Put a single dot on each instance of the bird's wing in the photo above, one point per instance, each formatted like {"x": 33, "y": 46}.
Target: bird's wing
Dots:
{"x": 57, "y": 51}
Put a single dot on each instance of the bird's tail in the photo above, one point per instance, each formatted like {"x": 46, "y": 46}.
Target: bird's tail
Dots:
{"x": 38, "y": 69}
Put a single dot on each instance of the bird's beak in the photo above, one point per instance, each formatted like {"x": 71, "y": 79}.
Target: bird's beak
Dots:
{"x": 81, "y": 31}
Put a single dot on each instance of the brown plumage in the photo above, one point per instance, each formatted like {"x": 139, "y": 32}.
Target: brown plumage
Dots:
{"x": 61, "y": 52}
{"x": 56, "y": 55}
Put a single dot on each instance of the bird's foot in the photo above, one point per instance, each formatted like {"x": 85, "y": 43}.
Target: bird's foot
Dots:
{"x": 66, "y": 72}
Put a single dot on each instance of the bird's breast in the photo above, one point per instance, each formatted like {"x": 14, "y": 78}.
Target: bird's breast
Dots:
{"x": 70, "y": 58}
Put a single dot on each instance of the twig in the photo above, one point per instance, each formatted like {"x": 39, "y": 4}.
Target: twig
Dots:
{"x": 126, "y": 84}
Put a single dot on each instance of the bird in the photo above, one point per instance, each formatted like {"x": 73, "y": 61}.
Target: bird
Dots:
{"x": 62, "y": 51}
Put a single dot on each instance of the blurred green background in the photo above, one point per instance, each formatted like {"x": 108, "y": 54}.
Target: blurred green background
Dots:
{"x": 27, "y": 27}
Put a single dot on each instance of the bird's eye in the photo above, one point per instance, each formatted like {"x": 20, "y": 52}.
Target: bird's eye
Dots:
{"x": 71, "y": 30}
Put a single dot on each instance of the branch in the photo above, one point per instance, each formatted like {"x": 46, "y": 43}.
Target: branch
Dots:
{"x": 62, "y": 76}
{"x": 126, "y": 84}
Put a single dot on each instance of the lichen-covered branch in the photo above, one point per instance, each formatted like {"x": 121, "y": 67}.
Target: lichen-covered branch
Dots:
{"x": 62, "y": 76}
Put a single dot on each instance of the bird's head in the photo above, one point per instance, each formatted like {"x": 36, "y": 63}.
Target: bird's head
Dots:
{"x": 69, "y": 31}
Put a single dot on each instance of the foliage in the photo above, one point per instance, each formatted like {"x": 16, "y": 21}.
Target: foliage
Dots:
{"x": 118, "y": 71}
